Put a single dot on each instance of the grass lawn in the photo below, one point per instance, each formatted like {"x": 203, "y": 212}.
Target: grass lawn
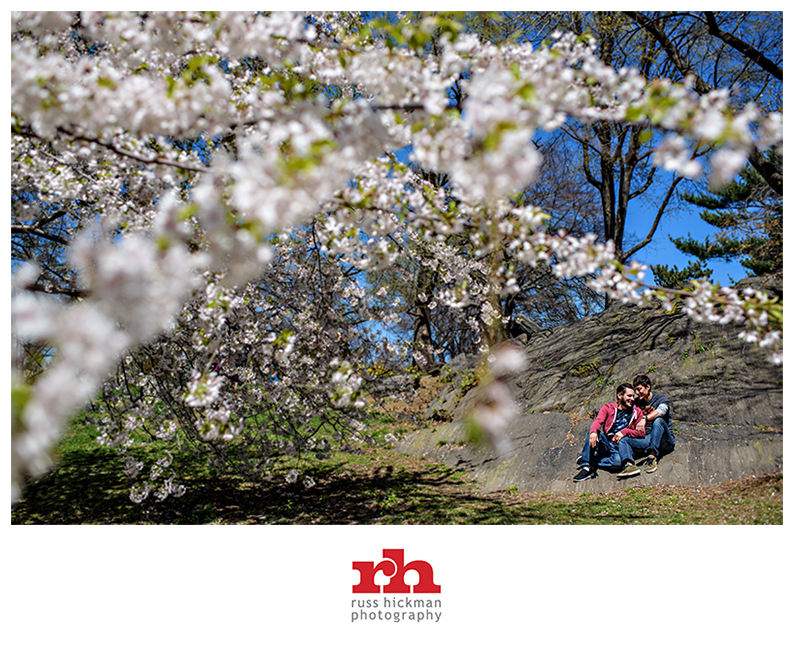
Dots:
{"x": 374, "y": 485}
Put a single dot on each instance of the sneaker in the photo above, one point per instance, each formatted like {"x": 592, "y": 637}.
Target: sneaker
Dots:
{"x": 629, "y": 470}
{"x": 642, "y": 460}
{"x": 584, "y": 474}
{"x": 578, "y": 461}
{"x": 651, "y": 465}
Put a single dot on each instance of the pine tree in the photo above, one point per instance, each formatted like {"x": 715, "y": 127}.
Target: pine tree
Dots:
{"x": 749, "y": 219}
{"x": 672, "y": 277}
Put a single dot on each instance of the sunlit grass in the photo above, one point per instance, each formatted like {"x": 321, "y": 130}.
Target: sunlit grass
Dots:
{"x": 372, "y": 484}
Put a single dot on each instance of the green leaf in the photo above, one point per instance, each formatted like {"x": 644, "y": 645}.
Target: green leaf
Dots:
{"x": 635, "y": 113}
{"x": 20, "y": 397}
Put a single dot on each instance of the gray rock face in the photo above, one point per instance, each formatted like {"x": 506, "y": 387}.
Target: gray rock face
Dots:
{"x": 393, "y": 385}
{"x": 727, "y": 404}
{"x": 545, "y": 448}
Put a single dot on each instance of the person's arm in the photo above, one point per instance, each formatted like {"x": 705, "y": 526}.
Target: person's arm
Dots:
{"x": 634, "y": 432}
{"x": 655, "y": 413}
{"x": 597, "y": 425}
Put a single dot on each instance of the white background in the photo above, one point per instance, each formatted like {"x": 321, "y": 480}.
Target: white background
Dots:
{"x": 152, "y": 588}
{"x": 526, "y": 587}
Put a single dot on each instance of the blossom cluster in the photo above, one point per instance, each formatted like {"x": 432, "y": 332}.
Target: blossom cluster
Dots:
{"x": 228, "y": 170}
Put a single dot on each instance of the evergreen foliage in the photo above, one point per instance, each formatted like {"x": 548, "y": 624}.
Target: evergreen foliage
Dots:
{"x": 749, "y": 217}
{"x": 672, "y": 277}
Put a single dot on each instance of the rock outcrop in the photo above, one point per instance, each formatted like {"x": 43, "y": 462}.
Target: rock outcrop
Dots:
{"x": 727, "y": 403}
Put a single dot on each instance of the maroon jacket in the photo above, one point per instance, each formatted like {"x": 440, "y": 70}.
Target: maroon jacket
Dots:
{"x": 606, "y": 417}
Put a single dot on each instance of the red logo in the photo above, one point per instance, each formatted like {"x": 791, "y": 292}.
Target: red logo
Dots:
{"x": 394, "y": 568}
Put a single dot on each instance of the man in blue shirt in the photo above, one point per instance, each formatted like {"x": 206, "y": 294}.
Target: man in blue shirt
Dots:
{"x": 658, "y": 438}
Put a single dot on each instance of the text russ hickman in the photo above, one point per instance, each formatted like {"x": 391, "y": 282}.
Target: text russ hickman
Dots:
{"x": 392, "y": 606}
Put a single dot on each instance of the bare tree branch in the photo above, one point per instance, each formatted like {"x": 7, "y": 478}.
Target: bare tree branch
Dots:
{"x": 679, "y": 62}
{"x": 771, "y": 174}
{"x": 48, "y": 288}
{"x": 659, "y": 212}
{"x": 25, "y": 229}
{"x": 744, "y": 48}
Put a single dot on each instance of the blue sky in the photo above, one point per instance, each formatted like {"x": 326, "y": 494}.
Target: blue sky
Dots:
{"x": 662, "y": 251}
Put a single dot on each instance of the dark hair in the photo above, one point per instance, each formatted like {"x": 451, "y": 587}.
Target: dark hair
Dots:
{"x": 642, "y": 380}
{"x": 623, "y": 387}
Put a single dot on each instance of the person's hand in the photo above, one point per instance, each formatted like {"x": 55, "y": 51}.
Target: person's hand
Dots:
{"x": 618, "y": 436}
{"x": 593, "y": 439}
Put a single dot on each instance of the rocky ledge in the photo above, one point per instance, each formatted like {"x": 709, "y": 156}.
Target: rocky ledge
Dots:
{"x": 545, "y": 448}
{"x": 727, "y": 404}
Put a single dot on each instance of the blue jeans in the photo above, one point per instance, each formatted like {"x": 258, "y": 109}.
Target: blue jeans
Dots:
{"x": 607, "y": 454}
{"x": 662, "y": 440}
{"x": 658, "y": 439}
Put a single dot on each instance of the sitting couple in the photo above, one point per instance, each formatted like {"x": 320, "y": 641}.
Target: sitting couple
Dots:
{"x": 635, "y": 423}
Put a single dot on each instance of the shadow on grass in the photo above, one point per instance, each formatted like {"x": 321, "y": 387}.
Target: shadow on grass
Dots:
{"x": 89, "y": 487}
{"x": 85, "y": 487}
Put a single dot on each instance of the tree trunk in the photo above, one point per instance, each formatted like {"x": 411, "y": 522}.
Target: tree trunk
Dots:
{"x": 423, "y": 325}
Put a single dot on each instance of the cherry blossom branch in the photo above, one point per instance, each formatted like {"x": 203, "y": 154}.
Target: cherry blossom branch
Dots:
{"x": 132, "y": 155}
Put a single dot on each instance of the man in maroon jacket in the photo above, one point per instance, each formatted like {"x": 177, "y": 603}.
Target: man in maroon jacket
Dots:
{"x": 607, "y": 446}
